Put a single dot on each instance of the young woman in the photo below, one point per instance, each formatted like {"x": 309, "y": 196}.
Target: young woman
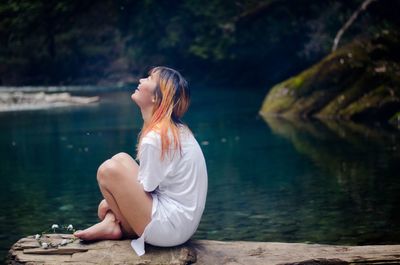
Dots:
{"x": 161, "y": 200}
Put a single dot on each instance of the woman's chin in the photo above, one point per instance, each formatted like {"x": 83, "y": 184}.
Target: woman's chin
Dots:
{"x": 134, "y": 99}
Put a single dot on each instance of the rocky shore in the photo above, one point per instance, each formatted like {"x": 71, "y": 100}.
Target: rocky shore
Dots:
{"x": 14, "y": 101}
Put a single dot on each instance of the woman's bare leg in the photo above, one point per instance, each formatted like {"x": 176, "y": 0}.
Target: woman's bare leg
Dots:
{"x": 128, "y": 162}
{"x": 129, "y": 203}
{"x": 118, "y": 182}
{"x": 127, "y": 231}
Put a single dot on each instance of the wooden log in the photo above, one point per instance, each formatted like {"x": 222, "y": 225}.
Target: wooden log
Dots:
{"x": 216, "y": 252}
{"x": 28, "y": 251}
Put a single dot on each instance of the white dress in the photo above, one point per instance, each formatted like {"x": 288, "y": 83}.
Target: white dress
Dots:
{"x": 178, "y": 185}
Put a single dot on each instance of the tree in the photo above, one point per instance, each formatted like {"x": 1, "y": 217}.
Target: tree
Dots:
{"x": 349, "y": 22}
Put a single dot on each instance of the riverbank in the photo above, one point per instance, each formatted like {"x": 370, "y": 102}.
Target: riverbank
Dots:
{"x": 27, "y": 251}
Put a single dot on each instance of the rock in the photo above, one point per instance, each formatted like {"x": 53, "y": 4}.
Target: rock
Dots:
{"x": 27, "y": 251}
{"x": 360, "y": 81}
{"x": 10, "y": 101}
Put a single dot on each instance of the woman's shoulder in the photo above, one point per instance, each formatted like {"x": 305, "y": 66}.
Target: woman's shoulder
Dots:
{"x": 151, "y": 138}
{"x": 184, "y": 130}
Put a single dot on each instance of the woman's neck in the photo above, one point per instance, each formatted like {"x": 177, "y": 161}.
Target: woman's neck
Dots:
{"x": 146, "y": 115}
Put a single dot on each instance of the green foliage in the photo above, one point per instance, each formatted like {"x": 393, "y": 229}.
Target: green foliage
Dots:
{"x": 84, "y": 42}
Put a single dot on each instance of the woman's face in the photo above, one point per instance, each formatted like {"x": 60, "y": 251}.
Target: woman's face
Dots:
{"x": 144, "y": 95}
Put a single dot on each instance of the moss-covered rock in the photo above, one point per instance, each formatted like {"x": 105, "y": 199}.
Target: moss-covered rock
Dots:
{"x": 395, "y": 119}
{"x": 360, "y": 81}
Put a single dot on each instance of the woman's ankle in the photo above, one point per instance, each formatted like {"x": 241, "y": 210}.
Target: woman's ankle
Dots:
{"x": 110, "y": 217}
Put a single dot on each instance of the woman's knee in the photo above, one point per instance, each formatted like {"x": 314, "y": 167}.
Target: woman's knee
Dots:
{"x": 126, "y": 160}
{"x": 107, "y": 170}
{"x": 122, "y": 156}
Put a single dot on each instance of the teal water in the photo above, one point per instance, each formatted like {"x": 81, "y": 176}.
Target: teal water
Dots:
{"x": 269, "y": 180}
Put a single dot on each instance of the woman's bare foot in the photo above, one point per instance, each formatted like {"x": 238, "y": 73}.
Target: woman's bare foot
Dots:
{"x": 109, "y": 228}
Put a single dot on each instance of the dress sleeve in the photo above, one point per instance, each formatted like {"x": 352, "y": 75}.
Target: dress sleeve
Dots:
{"x": 152, "y": 171}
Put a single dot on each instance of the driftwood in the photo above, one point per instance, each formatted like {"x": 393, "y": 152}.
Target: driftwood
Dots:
{"x": 27, "y": 251}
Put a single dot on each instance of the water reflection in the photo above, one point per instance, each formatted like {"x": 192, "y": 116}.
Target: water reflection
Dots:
{"x": 364, "y": 162}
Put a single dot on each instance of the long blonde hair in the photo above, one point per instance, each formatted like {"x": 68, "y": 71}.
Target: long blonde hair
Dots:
{"x": 172, "y": 98}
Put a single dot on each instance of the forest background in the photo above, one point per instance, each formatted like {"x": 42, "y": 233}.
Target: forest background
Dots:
{"x": 108, "y": 42}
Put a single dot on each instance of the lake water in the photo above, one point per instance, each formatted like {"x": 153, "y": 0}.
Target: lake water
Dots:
{"x": 269, "y": 180}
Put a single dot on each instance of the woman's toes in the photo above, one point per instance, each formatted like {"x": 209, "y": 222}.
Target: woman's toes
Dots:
{"x": 78, "y": 233}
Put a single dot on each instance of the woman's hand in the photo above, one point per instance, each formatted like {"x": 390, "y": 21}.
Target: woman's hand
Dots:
{"x": 103, "y": 209}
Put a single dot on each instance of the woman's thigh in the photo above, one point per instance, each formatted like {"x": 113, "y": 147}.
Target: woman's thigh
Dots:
{"x": 120, "y": 179}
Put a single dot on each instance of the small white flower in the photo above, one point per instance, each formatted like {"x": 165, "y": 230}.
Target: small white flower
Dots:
{"x": 70, "y": 227}
{"x": 37, "y": 236}
{"x": 45, "y": 245}
{"x": 64, "y": 242}
{"x": 54, "y": 226}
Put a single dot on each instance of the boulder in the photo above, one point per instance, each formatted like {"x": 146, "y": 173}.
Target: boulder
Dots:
{"x": 360, "y": 81}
